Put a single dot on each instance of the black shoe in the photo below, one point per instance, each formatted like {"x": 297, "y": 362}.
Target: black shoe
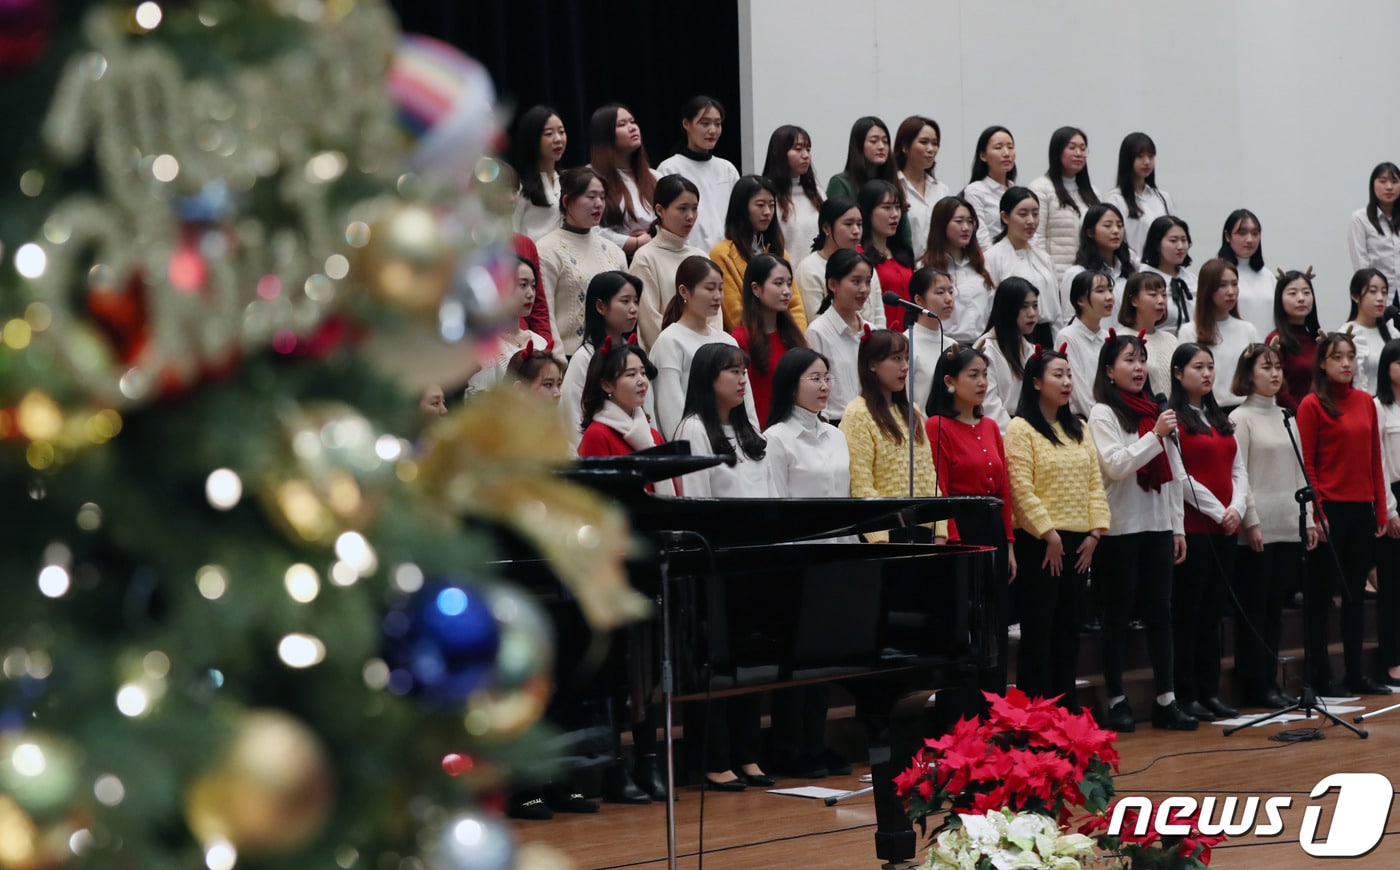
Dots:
{"x": 1091, "y": 626}
{"x": 650, "y": 778}
{"x": 727, "y": 785}
{"x": 1274, "y": 698}
{"x": 1136, "y": 625}
{"x": 1393, "y": 682}
{"x": 1330, "y": 689}
{"x": 758, "y": 780}
{"x": 1120, "y": 718}
{"x": 836, "y": 763}
{"x": 571, "y": 802}
{"x": 801, "y": 766}
{"x": 1366, "y": 686}
{"x": 1195, "y": 710}
{"x": 618, "y": 788}
{"x": 529, "y": 806}
{"x": 1172, "y": 718}
{"x": 1220, "y": 708}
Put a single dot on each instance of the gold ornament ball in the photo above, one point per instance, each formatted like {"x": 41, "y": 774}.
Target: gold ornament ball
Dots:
{"x": 496, "y": 714}
{"x": 407, "y": 261}
{"x": 39, "y": 771}
{"x": 269, "y": 793}
{"x": 27, "y": 845}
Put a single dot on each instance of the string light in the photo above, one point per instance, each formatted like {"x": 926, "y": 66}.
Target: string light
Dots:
{"x": 220, "y": 855}
{"x": 302, "y": 583}
{"x": 212, "y": 581}
{"x": 301, "y": 650}
{"x": 352, "y": 547}
{"x": 31, "y": 261}
{"x": 132, "y": 701}
{"x": 54, "y": 581}
{"x": 109, "y": 790}
{"x": 223, "y": 488}
{"x": 148, "y": 15}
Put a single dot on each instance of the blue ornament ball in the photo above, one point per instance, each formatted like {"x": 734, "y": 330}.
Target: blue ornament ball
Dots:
{"x": 441, "y": 643}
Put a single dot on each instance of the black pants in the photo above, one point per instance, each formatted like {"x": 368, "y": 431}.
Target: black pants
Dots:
{"x": 732, "y": 732}
{"x": 1263, "y": 582}
{"x": 1048, "y": 657}
{"x": 1133, "y": 573}
{"x": 1351, "y": 530}
{"x": 1198, "y": 602}
{"x": 1388, "y": 593}
{"x": 985, "y": 528}
{"x": 799, "y": 722}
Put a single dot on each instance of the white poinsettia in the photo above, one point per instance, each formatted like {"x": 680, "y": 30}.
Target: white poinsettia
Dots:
{"x": 1011, "y": 841}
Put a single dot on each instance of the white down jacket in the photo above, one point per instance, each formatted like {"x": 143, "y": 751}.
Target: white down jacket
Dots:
{"x": 1058, "y": 235}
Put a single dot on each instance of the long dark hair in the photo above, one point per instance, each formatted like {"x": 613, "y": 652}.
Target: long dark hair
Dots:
{"x": 841, "y": 264}
{"x": 979, "y": 166}
{"x": 878, "y": 346}
{"x": 829, "y": 214}
{"x": 608, "y": 367}
{"x": 1081, "y": 287}
{"x": 1288, "y": 342}
{"x": 602, "y": 287}
{"x": 941, "y": 401}
{"x": 1227, "y": 253}
{"x": 909, "y": 130}
{"x": 709, "y": 361}
{"x": 1003, "y": 322}
{"x": 872, "y": 193}
{"x": 573, "y": 183}
{"x": 1059, "y": 141}
{"x": 1359, "y": 279}
{"x": 787, "y": 376}
{"x": 525, "y": 152}
{"x": 737, "y": 226}
{"x": 1156, "y": 232}
{"x": 691, "y": 110}
{"x": 775, "y": 167}
{"x": 1322, "y": 385}
{"x": 690, "y": 272}
{"x": 758, "y": 272}
{"x": 1212, "y": 273}
{"x": 1140, "y": 281}
{"x": 1373, "y": 205}
{"x": 1088, "y": 254}
{"x": 602, "y": 139}
{"x": 1029, "y": 407}
{"x": 1013, "y": 197}
{"x": 1385, "y": 391}
{"x": 669, "y": 189}
{"x": 1105, "y": 391}
{"x": 936, "y": 253}
{"x": 857, "y": 170}
{"x": 1134, "y": 146}
{"x": 1211, "y": 416}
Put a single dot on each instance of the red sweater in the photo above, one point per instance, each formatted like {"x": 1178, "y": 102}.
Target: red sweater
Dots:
{"x": 600, "y": 439}
{"x": 761, "y": 384}
{"x": 1297, "y": 367}
{"x": 1209, "y": 459}
{"x": 894, "y": 277}
{"x": 537, "y": 321}
{"x": 970, "y": 461}
{"x": 1343, "y": 454}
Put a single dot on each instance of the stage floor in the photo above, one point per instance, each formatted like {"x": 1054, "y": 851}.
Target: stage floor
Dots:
{"x": 754, "y": 829}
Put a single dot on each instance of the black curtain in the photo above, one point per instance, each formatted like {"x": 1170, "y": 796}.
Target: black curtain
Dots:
{"x": 576, "y": 55}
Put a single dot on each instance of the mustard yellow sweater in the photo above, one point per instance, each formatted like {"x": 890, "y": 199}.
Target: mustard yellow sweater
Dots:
{"x": 1054, "y": 486}
{"x": 732, "y": 265}
{"x": 880, "y": 467}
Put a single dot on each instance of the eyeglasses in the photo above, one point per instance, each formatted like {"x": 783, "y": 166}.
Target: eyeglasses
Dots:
{"x": 829, "y": 380}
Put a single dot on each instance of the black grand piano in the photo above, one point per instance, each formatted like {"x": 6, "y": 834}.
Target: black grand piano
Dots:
{"x": 751, "y": 599}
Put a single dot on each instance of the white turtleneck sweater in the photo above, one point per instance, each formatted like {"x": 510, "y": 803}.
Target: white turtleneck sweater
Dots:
{"x": 568, "y": 261}
{"x": 799, "y": 229}
{"x": 714, "y": 177}
{"x": 929, "y": 343}
{"x": 1232, "y": 336}
{"x": 1256, "y": 302}
{"x": 810, "y": 280}
{"x": 1274, "y": 475}
{"x": 656, "y": 264}
{"x": 538, "y": 221}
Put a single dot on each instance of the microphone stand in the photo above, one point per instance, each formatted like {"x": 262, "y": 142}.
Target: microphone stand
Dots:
{"x": 892, "y": 298}
{"x": 1307, "y": 700}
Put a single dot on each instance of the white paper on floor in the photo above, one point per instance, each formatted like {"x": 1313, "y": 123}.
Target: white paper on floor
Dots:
{"x": 1240, "y": 720}
{"x": 811, "y": 791}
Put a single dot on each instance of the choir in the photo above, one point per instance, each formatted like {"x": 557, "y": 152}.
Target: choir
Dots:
{"x": 1068, "y": 361}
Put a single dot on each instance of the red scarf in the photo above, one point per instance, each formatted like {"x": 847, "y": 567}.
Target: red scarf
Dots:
{"x": 1157, "y": 472}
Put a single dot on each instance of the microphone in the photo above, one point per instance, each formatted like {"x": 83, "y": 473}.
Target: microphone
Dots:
{"x": 1162, "y": 405}
{"x": 1287, "y": 415}
{"x": 1392, "y": 313}
{"x": 893, "y": 298}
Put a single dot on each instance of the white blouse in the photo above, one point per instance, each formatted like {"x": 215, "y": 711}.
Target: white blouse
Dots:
{"x": 929, "y": 343}
{"x": 1232, "y": 336}
{"x": 808, "y": 458}
{"x": 985, "y": 198}
{"x": 972, "y": 303}
{"x": 1121, "y": 454}
{"x": 1369, "y": 344}
{"x": 1256, "y": 302}
{"x": 538, "y": 221}
{"x": 1388, "y": 417}
{"x": 749, "y": 478}
{"x": 1003, "y": 386}
{"x": 1179, "y": 310}
{"x": 810, "y": 281}
{"x": 1120, "y": 287}
{"x": 921, "y": 208}
{"x": 1152, "y": 202}
{"x": 1370, "y": 249}
{"x": 1005, "y": 261}
{"x": 1082, "y": 347}
{"x": 830, "y": 336}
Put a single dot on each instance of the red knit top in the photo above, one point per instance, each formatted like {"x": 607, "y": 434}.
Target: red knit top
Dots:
{"x": 1343, "y": 454}
{"x": 600, "y": 439}
{"x": 894, "y": 278}
{"x": 537, "y": 321}
{"x": 970, "y": 461}
{"x": 1209, "y": 459}
{"x": 760, "y": 383}
{"x": 1297, "y": 367}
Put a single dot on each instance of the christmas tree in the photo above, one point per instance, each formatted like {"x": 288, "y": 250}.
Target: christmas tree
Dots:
{"x": 242, "y": 620}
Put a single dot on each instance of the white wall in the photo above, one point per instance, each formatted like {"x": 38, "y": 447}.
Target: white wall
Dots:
{"x": 1280, "y": 106}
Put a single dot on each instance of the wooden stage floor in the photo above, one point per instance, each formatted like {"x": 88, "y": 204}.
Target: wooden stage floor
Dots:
{"x": 754, "y": 829}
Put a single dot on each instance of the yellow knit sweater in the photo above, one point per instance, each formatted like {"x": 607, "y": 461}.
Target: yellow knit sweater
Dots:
{"x": 1054, "y": 486}
{"x": 880, "y": 467}
{"x": 732, "y": 265}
